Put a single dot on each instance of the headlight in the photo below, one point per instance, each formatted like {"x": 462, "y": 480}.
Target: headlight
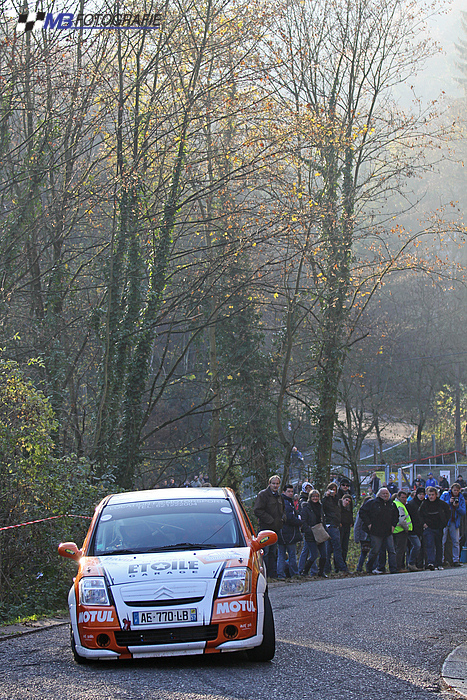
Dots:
{"x": 93, "y": 591}
{"x": 235, "y": 582}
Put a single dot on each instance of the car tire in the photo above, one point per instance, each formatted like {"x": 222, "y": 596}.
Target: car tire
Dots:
{"x": 77, "y": 657}
{"x": 267, "y": 648}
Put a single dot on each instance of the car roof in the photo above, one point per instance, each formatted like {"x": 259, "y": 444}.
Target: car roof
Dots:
{"x": 199, "y": 493}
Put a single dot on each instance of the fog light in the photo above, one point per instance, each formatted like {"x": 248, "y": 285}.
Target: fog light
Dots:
{"x": 103, "y": 640}
{"x": 230, "y": 631}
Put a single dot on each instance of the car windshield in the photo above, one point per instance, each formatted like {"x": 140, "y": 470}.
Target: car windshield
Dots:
{"x": 166, "y": 525}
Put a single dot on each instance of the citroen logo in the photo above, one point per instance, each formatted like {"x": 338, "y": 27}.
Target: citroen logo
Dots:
{"x": 163, "y": 592}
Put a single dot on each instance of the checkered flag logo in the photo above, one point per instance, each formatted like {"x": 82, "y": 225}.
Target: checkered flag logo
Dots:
{"x": 29, "y": 21}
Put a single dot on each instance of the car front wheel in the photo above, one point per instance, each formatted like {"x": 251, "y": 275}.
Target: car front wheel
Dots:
{"x": 267, "y": 648}
{"x": 77, "y": 657}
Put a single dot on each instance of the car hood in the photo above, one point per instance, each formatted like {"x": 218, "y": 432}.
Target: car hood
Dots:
{"x": 165, "y": 566}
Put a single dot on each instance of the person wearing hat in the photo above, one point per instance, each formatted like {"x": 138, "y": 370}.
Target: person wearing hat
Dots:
{"x": 431, "y": 481}
{"x": 305, "y": 490}
{"x": 345, "y": 487}
{"x": 418, "y": 481}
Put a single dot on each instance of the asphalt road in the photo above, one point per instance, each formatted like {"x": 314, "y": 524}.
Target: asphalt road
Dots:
{"x": 371, "y": 637}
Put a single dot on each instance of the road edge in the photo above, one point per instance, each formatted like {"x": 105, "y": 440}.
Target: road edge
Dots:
{"x": 21, "y": 628}
{"x": 453, "y": 671}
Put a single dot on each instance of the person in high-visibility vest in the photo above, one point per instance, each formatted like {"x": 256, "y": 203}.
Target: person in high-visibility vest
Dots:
{"x": 402, "y": 529}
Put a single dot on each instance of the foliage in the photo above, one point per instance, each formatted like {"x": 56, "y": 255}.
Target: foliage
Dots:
{"x": 194, "y": 232}
{"x": 26, "y": 424}
{"x": 34, "y": 485}
{"x": 442, "y": 420}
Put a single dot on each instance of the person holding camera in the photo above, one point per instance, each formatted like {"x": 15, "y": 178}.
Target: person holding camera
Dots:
{"x": 288, "y": 537}
{"x": 456, "y": 503}
{"x": 332, "y": 515}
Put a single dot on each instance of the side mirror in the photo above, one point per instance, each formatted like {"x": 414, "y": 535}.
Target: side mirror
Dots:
{"x": 70, "y": 551}
{"x": 263, "y": 539}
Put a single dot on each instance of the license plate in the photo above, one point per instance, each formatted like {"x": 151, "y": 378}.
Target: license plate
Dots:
{"x": 163, "y": 617}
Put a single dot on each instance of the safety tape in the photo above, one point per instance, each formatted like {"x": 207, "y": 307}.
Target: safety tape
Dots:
{"x": 43, "y": 520}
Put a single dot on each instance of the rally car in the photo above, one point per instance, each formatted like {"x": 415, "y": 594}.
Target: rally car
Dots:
{"x": 167, "y": 572}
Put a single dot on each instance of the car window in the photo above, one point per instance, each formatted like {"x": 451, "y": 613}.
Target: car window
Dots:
{"x": 151, "y": 526}
{"x": 246, "y": 519}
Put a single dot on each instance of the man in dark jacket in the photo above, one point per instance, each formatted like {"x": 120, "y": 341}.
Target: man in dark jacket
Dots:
{"x": 375, "y": 483}
{"x": 270, "y": 511}
{"x": 392, "y": 486}
{"x": 443, "y": 483}
{"x": 435, "y": 515}
{"x": 288, "y": 536}
{"x": 332, "y": 514}
{"x": 346, "y": 507}
{"x": 380, "y": 516}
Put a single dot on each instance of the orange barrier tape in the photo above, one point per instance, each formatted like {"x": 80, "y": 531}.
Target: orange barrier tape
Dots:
{"x": 43, "y": 520}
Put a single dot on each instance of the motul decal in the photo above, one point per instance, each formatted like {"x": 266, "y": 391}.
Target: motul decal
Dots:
{"x": 235, "y": 606}
{"x": 96, "y": 616}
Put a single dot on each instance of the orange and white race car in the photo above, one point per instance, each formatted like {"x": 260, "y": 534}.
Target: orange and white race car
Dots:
{"x": 167, "y": 572}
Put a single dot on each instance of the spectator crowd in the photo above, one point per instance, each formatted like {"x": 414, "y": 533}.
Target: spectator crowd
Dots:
{"x": 397, "y": 530}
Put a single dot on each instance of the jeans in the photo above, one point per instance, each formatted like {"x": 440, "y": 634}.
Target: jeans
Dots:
{"x": 434, "y": 545}
{"x": 381, "y": 558}
{"x": 334, "y": 546}
{"x": 289, "y": 551}
{"x": 345, "y": 536}
{"x": 454, "y": 532}
{"x": 376, "y": 544}
{"x": 400, "y": 543}
{"x": 270, "y": 559}
{"x": 415, "y": 546}
{"x": 313, "y": 550}
{"x": 305, "y": 557}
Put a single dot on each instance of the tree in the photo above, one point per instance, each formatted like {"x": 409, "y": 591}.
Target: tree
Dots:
{"x": 337, "y": 66}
